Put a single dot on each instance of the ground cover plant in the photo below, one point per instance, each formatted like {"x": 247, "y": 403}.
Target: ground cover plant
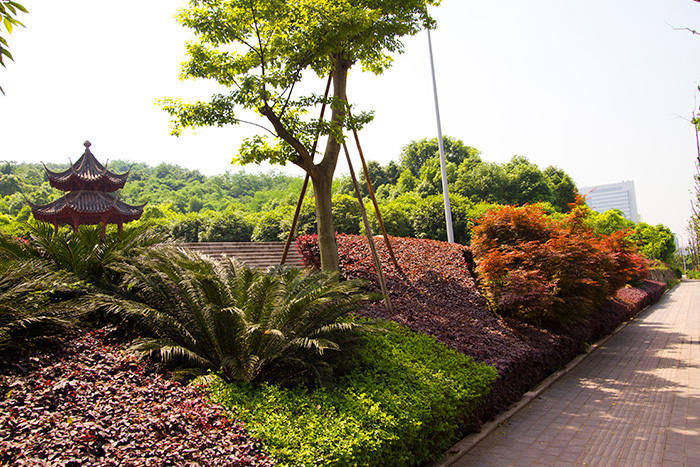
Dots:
{"x": 404, "y": 403}
{"x": 90, "y": 403}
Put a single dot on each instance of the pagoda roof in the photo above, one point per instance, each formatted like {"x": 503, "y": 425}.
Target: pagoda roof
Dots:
{"x": 87, "y": 174}
{"x": 87, "y": 207}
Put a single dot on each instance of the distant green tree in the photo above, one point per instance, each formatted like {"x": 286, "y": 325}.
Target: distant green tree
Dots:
{"x": 428, "y": 217}
{"x": 609, "y": 221}
{"x": 195, "y": 205}
{"x": 430, "y": 181}
{"x": 346, "y": 214}
{"x": 415, "y": 154}
{"x": 527, "y": 182}
{"x": 517, "y": 182}
{"x": 392, "y": 172}
{"x": 9, "y": 184}
{"x": 6, "y": 167}
{"x": 379, "y": 176}
{"x": 407, "y": 181}
{"x": 655, "y": 242}
{"x": 397, "y": 214}
{"x": 487, "y": 182}
{"x": 563, "y": 188}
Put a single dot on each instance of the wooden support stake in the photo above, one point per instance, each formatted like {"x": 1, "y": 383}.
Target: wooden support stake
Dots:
{"x": 373, "y": 198}
{"x": 293, "y": 229}
{"x": 368, "y": 230}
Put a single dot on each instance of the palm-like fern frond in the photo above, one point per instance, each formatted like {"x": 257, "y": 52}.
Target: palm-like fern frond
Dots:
{"x": 248, "y": 324}
{"x": 84, "y": 253}
{"x": 30, "y": 305}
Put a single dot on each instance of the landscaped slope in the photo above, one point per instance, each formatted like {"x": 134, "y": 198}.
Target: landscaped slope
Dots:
{"x": 434, "y": 293}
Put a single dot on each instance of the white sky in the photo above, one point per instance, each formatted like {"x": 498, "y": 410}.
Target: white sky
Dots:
{"x": 599, "y": 88}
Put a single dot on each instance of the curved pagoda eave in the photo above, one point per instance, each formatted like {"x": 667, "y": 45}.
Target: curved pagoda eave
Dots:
{"x": 87, "y": 174}
{"x": 87, "y": 207}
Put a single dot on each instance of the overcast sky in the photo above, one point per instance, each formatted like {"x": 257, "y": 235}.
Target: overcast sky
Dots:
{"x": 602, "y": 89}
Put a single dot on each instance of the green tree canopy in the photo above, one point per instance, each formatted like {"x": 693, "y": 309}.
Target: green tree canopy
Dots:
{"x": 260, "y": 49}
{"x": 610, "y": 221}
{"x": 527, "y": 182}
{"x": 563, "y": 188}
{"x": 416, "y": 153}
{"x": 655, "y": 242}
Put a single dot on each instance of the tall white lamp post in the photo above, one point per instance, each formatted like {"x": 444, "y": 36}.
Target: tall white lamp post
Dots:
{"x": 441, "y": 145}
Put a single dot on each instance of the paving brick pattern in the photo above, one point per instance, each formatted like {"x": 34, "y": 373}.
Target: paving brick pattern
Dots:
{"x": 634, "y": 401}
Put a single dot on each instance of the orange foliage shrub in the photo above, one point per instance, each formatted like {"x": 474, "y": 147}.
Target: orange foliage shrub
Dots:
{"x": 543, "y": 269}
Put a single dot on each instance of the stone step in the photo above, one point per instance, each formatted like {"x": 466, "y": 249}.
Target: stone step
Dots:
{"x": 254, "y": 254}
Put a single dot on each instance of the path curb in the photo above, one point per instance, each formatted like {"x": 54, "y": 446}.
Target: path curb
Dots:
{"x": 460, "y": 449}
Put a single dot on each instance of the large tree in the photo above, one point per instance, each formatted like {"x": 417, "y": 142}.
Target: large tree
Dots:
{"x": 260, "y": 50}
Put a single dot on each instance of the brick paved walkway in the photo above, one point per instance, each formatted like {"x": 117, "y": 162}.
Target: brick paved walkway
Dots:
{"x": 634, "y": 401}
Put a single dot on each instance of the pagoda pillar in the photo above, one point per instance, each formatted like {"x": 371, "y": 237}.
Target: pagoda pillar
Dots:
{"x": 75, "y": 221}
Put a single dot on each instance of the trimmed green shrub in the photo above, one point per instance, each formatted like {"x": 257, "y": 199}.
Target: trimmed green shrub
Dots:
{"x": 273, "y": 226}
{"x": 186, "y": 228}
{"x": 403, "y": 405}
{"x": 227, "y": 227}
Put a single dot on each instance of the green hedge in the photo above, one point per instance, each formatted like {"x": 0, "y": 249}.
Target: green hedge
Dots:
{"x": 403, "y": 405}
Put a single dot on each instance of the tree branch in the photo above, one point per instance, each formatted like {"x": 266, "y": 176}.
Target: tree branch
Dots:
{"x": 304, "y": 160}
{"x": 692, "y": 31}
{"x": 238, "y": 120}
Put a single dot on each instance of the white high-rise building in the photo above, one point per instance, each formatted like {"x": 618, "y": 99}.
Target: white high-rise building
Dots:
{"x": 620, "y": 196}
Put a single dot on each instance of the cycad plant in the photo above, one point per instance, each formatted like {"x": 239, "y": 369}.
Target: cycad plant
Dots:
{"x": 40, "y": 276}
{"x": 31, "y": 293}
{"x": 83, "y": 253}
{"x": 283, "y": 325}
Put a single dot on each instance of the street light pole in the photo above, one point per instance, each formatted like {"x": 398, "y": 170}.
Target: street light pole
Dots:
{"x": 441, "y": 145}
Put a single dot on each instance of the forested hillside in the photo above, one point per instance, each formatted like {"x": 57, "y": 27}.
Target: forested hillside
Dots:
{"x": 240, "y": 206}
{"x": 186, "y": 190}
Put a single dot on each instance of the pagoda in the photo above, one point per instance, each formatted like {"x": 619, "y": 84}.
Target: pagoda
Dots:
{"x": 91, "y": 197}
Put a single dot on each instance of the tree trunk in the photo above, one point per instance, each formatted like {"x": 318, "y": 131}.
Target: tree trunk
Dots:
{"x": 328, "y": 247}
{"x": 322, "y": 174}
